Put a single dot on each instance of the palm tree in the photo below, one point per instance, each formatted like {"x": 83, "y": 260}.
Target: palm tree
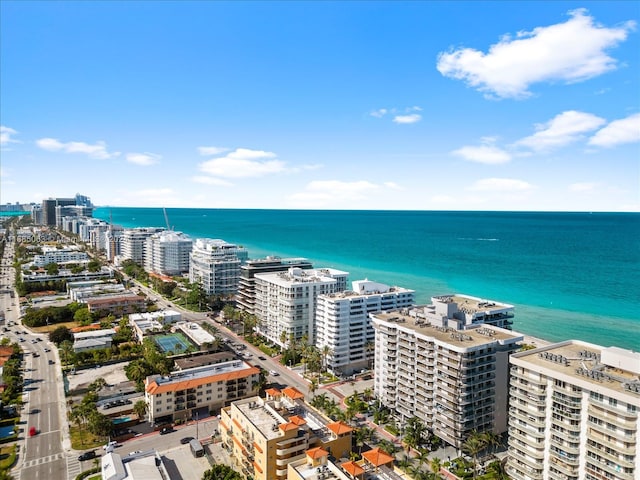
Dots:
{"x": 435, "y": 465}
{"x": 326, "y": 351}
{"x": 414, "y": 432}
{"x": 66, "y": 351}
{"x": 497, "y": 470}
{"x": 140, "y": 408}
{"x": 405, "y": 462}
{"x": 313, "y": 386}
{"x": 473, "y": 445}
{"x": 388, "y": 446}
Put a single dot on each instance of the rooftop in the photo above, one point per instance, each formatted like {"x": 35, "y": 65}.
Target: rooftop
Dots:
{"x": 594, "y": 366}
{"x": 472, "y": 337}
{"x": 194, "y": 377}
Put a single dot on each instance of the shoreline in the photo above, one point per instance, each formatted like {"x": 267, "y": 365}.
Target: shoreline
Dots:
{"x": 535, "y": 341}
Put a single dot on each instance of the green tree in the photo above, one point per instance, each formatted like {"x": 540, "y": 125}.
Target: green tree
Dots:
{"x": 140, "y": 408}
{"x": 83, "y": 316}
{"x": 66, "y": 351}
{"x": 60, "y": 334}
{"x": 221, "y": 472}
{"x": 94, "y": 265}
{"x": 52, "y": 268}
{"x": 473, "y": 445}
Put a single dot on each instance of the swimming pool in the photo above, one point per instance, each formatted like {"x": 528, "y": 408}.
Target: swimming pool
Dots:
{"x": 6, "y": 431}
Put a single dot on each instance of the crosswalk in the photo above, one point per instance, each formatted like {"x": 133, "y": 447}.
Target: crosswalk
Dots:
{"x": 42, "y": 460}
{"x": 74, "y": 467}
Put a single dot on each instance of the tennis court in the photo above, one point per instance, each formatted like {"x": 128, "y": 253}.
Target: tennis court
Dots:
{"x": 173, "y": 342}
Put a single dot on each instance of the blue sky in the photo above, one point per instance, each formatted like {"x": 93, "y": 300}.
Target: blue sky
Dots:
{"x": 327, "y": 105}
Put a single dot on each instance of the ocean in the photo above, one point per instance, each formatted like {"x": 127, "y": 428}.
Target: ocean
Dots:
{"x": 569, "y": 275}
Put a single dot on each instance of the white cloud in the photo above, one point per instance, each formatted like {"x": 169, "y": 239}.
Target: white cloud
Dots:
{"x": 332, "y": 193}
{"x": 98, "y": 150}
{"x": 626, "y": 130}
{"x": 565, "y": 128}
{"x": 144, "y": 159}
{"x": 392, "y": 185}
{"x": 500, "y": 185}
{"x": 381, "y": 112}
{"x": 5, "y": 135}
{"x": 400, "y": 115}
{"x": 582, "y": 187}
{"x": 411, "y": 118}
{"x": 570, "y": 52}
{"x": 487, "y": 154}
{"x": 211, "y": 181}
{"x": 204, "y": 151}
{"x": 243, "y": 163}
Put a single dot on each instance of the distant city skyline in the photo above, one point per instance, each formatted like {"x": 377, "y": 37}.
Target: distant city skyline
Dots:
{"x": 313, "y": 105}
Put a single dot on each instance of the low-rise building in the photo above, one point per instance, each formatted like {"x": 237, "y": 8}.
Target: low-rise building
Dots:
{"x": 147, "y": 465}
{"x": 118, "y": 305}
{"x": 93, "y": 340}
{"x": 265, "y": 435}
{"x": 183, "y": 394}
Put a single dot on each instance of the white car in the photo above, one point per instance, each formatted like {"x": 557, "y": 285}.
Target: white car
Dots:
{"x": 110, "y": 446}
{"x": 274, "y": 373}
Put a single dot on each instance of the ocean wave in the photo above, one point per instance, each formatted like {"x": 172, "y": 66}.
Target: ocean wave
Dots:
{"x": 479, "y": 239}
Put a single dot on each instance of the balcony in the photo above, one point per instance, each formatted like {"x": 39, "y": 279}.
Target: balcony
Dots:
{"x": 616, "y": 459}
{"x": 537, "y": 443}
{"x": 615, "y": 418}
{"x": 532, "y": 462}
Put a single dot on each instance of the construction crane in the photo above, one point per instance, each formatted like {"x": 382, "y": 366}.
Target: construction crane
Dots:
{"x": 166, "y": 218}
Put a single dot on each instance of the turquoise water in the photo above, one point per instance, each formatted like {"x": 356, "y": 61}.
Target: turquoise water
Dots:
{"x": 117, "y": 421}
{"x": 570, "y": 275}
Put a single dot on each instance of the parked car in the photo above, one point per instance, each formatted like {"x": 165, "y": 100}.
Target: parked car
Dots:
{"x": 166, "y": 430}
{"x": 87, "y": 455}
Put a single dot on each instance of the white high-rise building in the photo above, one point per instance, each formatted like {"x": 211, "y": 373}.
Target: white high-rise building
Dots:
{"x": 286, "y": 301}
{"x": 344, "y": 333}
{"x": 134, "y": 241}
{"x": 573, "y": 413}
{"x": 455, "y": 381}
{"x": 167, "y": 253}
{"x": 215, "y": 264}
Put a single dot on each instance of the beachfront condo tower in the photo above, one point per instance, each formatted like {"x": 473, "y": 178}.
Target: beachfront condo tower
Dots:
{"x": 167, "y": 253}
{"x": 574, "y": 413}
{"x": 215, "y": 264}
{"x": 455, "y": 381}
{"x": 344, "y": 333}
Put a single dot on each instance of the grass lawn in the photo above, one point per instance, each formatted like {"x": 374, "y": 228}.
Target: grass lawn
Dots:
{"x": 85, "y": 441}
{"x": 51, "y": 328}
{"x": 7, "y": 456}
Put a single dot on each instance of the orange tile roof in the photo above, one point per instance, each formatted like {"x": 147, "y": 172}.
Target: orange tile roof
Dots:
{"x": 86, "y": 328}
{"x": 153, "y": 388}
{"x": 317, "y": 452}
{"x": 297, "y": 420}
{"x": 287, "y": 426}
{"x": 293, "y": 393}
{"x": 352, "y": 468}
{"x": 272, "y": 392}
{"x": 339, "y": 428}
{"x": 377, "y": 457}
